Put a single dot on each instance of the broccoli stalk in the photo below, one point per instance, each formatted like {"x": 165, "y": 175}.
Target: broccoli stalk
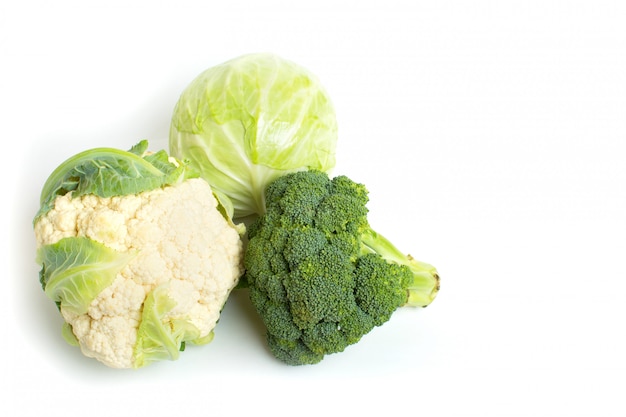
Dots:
{"x": 425, "y": 284}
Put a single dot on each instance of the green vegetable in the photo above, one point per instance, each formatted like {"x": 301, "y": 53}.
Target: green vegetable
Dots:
{"x": 247, "y": 121}
{"x": 319, "y": 275}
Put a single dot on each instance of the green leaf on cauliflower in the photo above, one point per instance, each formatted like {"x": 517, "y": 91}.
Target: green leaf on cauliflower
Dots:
{"x": 159, "y": 337}
{"x": 108, "y": 172}
{"x": 75, "y": 270}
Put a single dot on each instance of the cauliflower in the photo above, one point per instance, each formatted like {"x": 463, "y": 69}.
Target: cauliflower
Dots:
{"x": 138, "y": 271}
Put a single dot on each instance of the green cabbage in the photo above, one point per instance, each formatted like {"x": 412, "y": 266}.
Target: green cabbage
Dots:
{"x": 243, "y": 123}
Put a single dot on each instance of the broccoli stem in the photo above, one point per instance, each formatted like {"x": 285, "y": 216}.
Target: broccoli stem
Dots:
{"x": 425, "y": 285}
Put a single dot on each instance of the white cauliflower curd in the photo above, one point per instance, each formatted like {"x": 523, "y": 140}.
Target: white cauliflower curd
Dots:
{"x": 136, "y": 275}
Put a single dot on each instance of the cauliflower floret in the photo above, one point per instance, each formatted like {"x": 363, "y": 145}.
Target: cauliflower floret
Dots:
{"x": 181, "y": 242}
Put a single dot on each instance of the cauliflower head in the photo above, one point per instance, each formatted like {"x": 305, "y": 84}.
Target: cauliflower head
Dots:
{"x": 136, "y": 275}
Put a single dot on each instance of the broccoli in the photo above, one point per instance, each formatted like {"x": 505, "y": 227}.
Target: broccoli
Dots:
{"x": 319, "y": 275}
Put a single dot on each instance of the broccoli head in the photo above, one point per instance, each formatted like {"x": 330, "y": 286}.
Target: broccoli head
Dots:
{"x": 319, "y": 275}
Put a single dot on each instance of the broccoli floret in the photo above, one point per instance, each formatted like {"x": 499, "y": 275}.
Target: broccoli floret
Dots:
{"x": 319, "y": 275}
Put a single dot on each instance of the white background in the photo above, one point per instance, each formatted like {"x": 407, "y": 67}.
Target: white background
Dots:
{"x": 490, "y": 134}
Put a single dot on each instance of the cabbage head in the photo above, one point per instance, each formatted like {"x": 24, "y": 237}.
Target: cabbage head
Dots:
{"x": 245, "y": 122}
